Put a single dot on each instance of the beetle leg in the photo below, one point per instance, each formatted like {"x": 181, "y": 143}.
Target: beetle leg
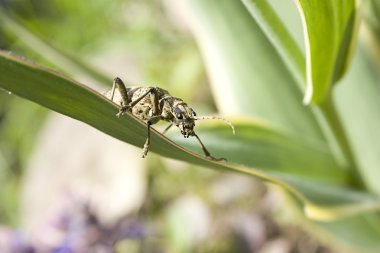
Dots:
{"x": 119, "y": 84}
{"x": 133, "y": 103}
{"x": 126, "y": 102}
{"x": 153, "y": 120}
{"x": 167, "y": 128}
{"x": 206, "y": 152}
{"x": 154, "y": 101}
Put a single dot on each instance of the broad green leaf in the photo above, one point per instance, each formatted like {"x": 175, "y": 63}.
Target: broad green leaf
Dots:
{"x": 257, "y": 145}
{"x": 290, "y": 52}
{"x": 236, "y": 58}
{"x": 247, "y": 74}
{"x": 237, "y": 65}
{"x": 65, "y": 96}
{"x": 330, "y": 36}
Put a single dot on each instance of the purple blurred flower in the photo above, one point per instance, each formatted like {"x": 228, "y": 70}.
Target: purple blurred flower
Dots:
{"x": 80, "y": 231}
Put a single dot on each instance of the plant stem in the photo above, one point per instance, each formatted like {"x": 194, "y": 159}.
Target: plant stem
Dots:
{"x": 331, "y": 116}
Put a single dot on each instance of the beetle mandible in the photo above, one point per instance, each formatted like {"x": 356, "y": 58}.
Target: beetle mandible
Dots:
{"x": 152, "y": 104}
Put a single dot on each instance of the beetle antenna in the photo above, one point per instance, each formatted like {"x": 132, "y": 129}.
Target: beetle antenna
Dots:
{"x": 219, "y": 118}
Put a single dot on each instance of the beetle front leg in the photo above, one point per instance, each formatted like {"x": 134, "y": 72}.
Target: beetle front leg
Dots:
{"x": 206, "y": 152}
{"x": 119, "y": 84}
{"x": 167, "y": 128}
{"x": 153, "y": 120}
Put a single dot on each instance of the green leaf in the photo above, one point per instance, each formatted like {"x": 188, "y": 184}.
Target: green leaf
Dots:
{"x": 361, "y": 118}
{"x": 238, "y": 56}
{"x": 278, "y": 34}
{"x": 361, "y": 232}
{"x": 258, "y": 145}
{"x": 245, "y": 82}
{"x": 65, "y": 96}
{"x": 248, "y": 76}
{"x": 55, "y": 56}
{"x": 330, "y": 36}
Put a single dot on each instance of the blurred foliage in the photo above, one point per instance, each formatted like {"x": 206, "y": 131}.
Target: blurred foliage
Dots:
{"x": 17, "y": 138}
{"x": 146, "y": 37}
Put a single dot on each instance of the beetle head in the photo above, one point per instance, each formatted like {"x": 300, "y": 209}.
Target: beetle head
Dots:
{"x": 184, "y": 118}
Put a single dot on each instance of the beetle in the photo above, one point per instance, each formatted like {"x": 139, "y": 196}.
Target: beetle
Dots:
{"x": 152, "y": 104}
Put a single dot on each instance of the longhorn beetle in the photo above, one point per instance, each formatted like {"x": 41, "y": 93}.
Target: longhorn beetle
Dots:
{"x": 153, "y": 104}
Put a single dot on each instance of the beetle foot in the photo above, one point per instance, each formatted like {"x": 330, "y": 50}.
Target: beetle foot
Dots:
{"x": 222, "y": 159}
{"x": 123, "y": 110}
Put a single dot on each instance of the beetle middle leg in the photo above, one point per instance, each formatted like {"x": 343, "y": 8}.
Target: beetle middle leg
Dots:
{"x": 126, "y": 107}
{"x": 127, "y": 103}
{"x": 153, "y": 120}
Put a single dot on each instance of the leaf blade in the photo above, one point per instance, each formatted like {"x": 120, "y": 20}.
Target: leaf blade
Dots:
{"x": 279, "y": 36}
{"x": 330, "y": 36}
{"x": 247, "y": 79}
{"x": 65, "y": 96}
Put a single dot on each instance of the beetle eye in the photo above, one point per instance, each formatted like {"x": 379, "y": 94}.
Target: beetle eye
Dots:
{"x": 177, "y": 112}
{"x": 194, "y": 114}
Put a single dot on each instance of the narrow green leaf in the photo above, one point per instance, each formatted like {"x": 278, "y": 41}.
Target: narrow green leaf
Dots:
{"x": 279, "y": 36}
{"x": 257, "y": 145}
{"x": 330, "y": 36}
{"x": 361, "y": 232}
{"x": 65, "y": 96}
{"x": 358, "y": 104}
{"x": 55, "y": 56}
